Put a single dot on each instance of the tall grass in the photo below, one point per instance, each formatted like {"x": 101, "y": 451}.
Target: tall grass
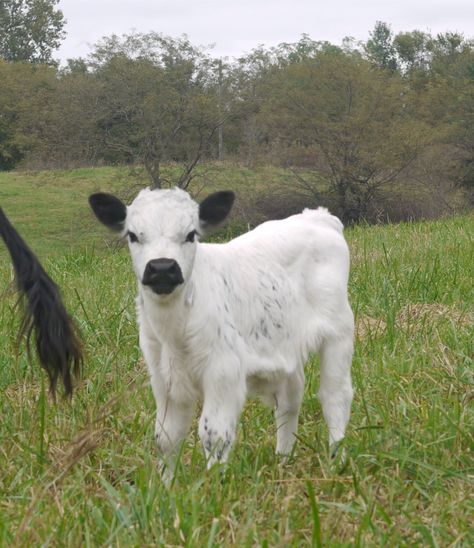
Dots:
{"x": 84, "y": 473}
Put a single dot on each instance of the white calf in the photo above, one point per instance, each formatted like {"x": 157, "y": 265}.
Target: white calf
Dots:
{"x": 220, "y": 321}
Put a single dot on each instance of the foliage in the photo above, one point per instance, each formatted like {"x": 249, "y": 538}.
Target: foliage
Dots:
{"x": 157, "y": 102}
{"x": 22, "y": 109}
{"x": 380, "y": 48}
{"x": 352, "y": 121}
{"x": 337, "y": 106}
{"x": 30, "y": 30}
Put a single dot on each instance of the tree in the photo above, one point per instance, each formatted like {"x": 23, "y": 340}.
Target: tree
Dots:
{"x": 358, "y": 123}
{"x": 25, "y": 94}
{"x": 450, "y": 100}
{"x": 413, "y": 50}
{"x": 69, "y": 136}
{"x": 30, "y": 30}
{"x": 159, "y": 102}
{"x": 380, "y": 49}
{"x": 252, "y": 83}
{"x": 451, "y": 55}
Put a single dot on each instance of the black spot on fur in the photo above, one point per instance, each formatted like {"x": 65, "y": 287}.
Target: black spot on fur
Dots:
{"x": 263, "y": 328}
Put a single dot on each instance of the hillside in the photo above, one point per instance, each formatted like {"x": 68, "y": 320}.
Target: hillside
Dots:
{"x": 85, "y": 472}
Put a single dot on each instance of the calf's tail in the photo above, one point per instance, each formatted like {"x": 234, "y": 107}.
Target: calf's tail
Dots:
{"x": 45, "y": 320}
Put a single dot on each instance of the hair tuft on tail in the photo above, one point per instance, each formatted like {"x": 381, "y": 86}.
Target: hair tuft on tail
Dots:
{"x": 45, "y": 321}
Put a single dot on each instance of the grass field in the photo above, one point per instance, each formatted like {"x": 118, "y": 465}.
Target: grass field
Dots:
{"x": 84, "y": 473}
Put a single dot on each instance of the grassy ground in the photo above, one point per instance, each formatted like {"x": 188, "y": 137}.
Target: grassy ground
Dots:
{"x": 50, "y": 207}
{"x": 83, "y": 473}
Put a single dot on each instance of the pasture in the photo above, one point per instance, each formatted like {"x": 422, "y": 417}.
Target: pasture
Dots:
{"x": 83, "y": 473}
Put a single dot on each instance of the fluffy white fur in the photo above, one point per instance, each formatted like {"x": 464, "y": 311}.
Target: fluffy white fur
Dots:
{"x": 243, "y": 322}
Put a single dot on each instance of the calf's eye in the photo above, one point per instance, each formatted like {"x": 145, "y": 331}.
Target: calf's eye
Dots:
{"x": 132, "y": 237}
{"x": 190, "y": 237}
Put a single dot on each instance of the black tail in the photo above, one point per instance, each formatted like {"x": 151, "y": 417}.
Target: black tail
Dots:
{"x": 58, "y": 344}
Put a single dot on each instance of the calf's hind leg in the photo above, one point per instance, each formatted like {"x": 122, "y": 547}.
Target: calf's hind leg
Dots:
{"x": 335, "y": 391}
{"x": 287, "y": 408}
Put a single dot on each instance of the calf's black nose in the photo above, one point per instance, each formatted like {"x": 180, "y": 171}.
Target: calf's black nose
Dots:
{"x": 162, "y": 275}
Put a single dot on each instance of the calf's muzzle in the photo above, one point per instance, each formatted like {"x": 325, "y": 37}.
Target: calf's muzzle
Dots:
{"x": 162, "y": 275}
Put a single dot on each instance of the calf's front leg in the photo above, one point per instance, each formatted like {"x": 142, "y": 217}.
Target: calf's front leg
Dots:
{"x": 224, "y": 398}
{"x": 173, "y": 420}
{"x": 173, "y": 416}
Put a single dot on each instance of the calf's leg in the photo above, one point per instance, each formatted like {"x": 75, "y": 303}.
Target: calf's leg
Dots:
{"x": 223, "y": 401}
{"x": 335, "y": 390}
{"x": 288, "y": 400}
{"x": 173, "y": 416}
{"x": 173, "y": 420}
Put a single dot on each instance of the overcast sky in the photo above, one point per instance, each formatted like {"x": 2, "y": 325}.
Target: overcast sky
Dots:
{"x": 236, "y": 27}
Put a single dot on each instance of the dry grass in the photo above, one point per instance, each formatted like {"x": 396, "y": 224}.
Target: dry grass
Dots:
{"x": 414, "y": 316}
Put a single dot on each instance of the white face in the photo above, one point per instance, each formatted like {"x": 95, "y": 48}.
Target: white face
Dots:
{"x": 162, "y": 225}
{"x": 162, "y": 228}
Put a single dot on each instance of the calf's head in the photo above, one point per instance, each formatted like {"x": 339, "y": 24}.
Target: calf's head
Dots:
{"x": 162, "y": 227}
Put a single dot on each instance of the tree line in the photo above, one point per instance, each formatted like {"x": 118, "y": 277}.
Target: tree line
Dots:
{"x": 350, "y": 121}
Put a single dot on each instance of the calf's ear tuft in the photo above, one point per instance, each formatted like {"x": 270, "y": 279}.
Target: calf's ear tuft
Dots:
{"x": 214, "y": 209}
{"x": 109, "y": 210}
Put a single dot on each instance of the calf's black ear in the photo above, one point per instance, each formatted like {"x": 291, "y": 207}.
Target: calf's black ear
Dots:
{"x": 214, "y": 209}
{"x": 109, "y": 210}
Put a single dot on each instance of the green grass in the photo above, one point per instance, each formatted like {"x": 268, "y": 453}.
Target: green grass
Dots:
{"x": 50, "y": 207}
{"x": 84, "y": 473}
